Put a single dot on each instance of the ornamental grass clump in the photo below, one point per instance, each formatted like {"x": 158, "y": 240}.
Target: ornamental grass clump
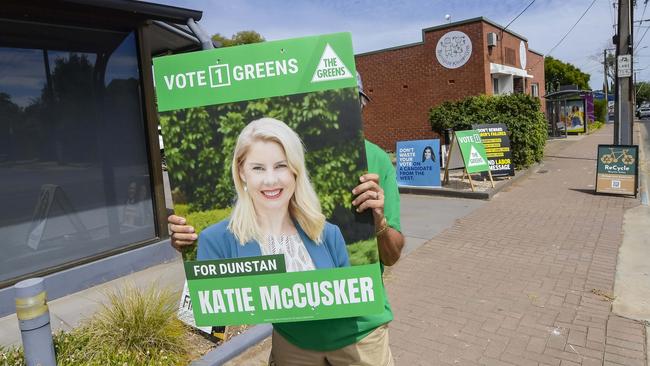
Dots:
{"x": 138, "y": 327}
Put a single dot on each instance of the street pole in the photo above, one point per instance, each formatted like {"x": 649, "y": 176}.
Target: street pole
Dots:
{"x": 606, "y": 86}
{"x": 624, "y": 92}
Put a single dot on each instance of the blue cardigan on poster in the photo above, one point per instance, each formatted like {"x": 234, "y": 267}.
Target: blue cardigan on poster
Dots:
{"x": 218, "y": 242}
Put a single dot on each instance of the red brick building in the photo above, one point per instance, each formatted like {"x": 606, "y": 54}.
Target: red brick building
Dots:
{"x": 455, "y": 60}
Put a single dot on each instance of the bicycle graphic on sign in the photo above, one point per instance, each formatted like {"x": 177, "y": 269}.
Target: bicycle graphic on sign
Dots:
{"x": 614, "y": 157}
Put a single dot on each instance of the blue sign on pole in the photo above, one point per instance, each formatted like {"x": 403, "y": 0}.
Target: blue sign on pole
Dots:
{"x": 418, "y": 163}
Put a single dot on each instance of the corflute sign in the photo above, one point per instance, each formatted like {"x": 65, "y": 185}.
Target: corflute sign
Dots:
{"x": 497, "y": 146}
{"x": 617, "y": 169}
{"x": 307, "y": 87}
{"x": 473, "y": 151}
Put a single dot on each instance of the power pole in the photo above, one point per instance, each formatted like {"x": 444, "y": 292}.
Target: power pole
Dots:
{"x": 624, "y": 87}
{"x": 606, "y": 86}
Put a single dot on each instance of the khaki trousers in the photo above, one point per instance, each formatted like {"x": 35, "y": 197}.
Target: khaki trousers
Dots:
{"x": 373, "y": 350}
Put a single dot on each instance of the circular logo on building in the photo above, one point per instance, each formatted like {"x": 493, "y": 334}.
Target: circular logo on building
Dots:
{"x": 454, "y": 49}
{"x": 522, "y": 54}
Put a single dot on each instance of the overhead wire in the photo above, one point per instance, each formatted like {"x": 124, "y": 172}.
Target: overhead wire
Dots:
{"x": 567, "y": 33}
{"x": 518, "y": 15}
{"x": 645, "y": 6}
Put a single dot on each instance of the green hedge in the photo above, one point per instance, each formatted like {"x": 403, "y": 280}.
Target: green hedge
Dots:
{"x": 600, "y": 110}
{"x": 520, "y": 112}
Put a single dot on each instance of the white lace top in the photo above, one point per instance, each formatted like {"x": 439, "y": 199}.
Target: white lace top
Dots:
{"x": 296, "y": 256}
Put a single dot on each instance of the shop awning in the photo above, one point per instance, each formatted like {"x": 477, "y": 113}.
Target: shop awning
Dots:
{"x": 508, "y": 70}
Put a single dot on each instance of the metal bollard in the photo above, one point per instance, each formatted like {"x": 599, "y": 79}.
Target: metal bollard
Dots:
{"x": 34, "y": 322}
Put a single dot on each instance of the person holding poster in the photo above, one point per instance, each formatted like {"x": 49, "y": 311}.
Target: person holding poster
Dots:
{"x": 361, "y": 340}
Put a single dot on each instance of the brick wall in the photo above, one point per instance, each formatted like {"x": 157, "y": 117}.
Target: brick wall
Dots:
{"x": 535, "y": 67}
{"x": 406, "y": 82}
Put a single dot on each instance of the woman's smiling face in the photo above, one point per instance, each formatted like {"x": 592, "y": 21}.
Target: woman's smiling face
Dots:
{"x": 267, "y": 176}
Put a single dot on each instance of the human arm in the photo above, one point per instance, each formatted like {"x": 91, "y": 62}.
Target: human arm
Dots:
{"x": 370, "y": 195}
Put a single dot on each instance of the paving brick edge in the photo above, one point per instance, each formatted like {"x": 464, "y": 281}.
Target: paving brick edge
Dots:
{"x": 469, "y": 194}
{"x": 235, "y": 346}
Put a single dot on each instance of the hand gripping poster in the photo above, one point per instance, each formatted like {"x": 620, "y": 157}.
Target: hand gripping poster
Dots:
{"x": 264, "y": 145}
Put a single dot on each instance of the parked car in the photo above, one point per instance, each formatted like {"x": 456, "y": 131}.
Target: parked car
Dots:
{"x": 643, "y": 112}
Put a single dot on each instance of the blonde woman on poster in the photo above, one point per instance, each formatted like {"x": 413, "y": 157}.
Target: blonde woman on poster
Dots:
{"x": 277, "y": 210}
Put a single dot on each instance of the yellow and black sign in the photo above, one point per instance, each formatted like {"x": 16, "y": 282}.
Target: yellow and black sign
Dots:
{"x": 497, "y": 146}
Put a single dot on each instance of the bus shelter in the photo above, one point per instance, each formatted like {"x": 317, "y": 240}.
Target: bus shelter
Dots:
{"x": 569, "y": 112}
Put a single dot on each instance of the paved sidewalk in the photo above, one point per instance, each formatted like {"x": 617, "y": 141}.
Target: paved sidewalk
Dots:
{"x": 525, "y": 279}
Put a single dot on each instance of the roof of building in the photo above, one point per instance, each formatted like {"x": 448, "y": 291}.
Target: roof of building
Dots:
{"x": 169, "y": 24}
{"x": 450, "y": 25}
{"x": 167, "y": 13}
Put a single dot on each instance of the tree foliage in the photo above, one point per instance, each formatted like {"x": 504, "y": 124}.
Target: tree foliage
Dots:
{"x": 239, "y": 38}
{"x": 519, "y": 112}
{"x": 558, "y": 73}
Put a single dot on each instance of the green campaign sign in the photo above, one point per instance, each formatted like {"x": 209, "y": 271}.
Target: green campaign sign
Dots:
{"x": 310, "y": 85}
{"x": 617, "y": 169}
{"x": 239, "y": 298}
{"x": 254, "y": 71}
{"x": 473, "y": 151}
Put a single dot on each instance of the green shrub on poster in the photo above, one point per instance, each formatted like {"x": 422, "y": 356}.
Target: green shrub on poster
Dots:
{"x": 521, "y": 113}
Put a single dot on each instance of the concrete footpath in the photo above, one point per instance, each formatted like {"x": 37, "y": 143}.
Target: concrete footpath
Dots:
{"x": 526, "y": 279}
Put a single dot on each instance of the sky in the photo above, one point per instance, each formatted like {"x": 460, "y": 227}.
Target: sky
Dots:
{"x": 377, "y": 24}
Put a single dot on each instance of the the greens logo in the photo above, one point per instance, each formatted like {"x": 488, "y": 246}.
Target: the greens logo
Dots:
{"x": 330, "y": 67}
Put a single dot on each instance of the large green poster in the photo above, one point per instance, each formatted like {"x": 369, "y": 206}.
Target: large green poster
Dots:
{"x": 206, "y": 100}
{"x": 473, "y": 151}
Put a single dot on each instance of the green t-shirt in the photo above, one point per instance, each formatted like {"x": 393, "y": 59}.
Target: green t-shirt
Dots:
{"x": 331, "y": 334}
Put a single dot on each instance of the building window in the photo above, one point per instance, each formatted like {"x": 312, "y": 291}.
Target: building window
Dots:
{"x": 510, "y": 56}
{"x": 72, "y": 147}
{"x": 518, "y": 85}
{"x": 534, "y": 90}
{"x": 495, "y": 86}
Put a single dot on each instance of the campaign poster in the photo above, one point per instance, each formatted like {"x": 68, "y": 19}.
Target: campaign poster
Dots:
{"x": 418, "y": 163}
{"x": 497, "y": 147}
{"x": 617, "y": 169}
{"x": 205, "y": 99}
{"x": 473, "y": 151}
{"x": 573, "y": 115}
